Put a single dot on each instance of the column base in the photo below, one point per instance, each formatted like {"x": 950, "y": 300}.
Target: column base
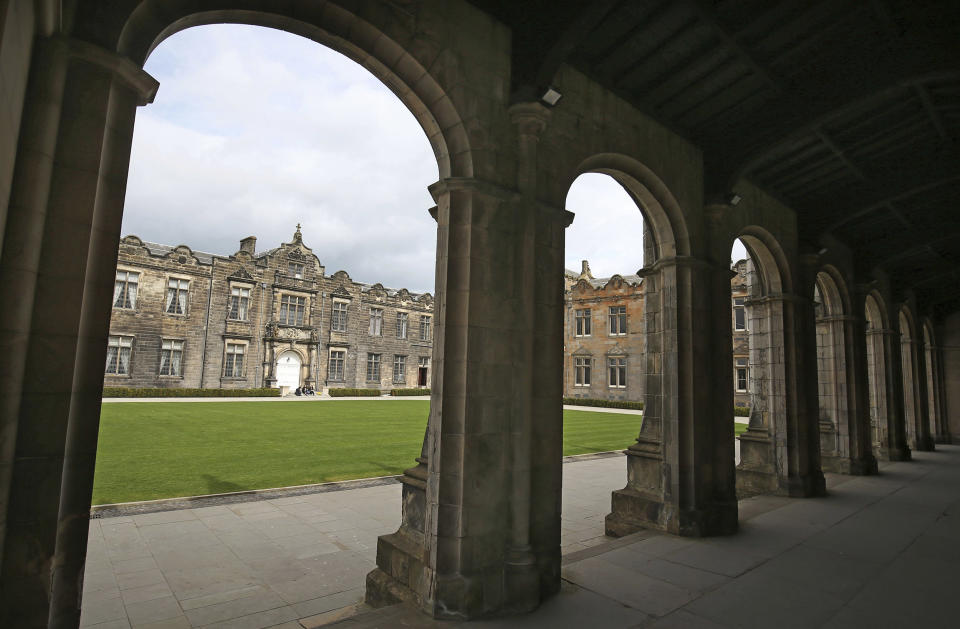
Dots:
{"x": 812, "y": 485}
{"x": 521, "y": 582}
{"x": 865, "y": 466}
{"x": 756, "y": 473}
{"x": 633, "y": 511}
{"x": 926, "y": 444}
{"x": 899, "y": 454}
{"x": 945, "y": 439}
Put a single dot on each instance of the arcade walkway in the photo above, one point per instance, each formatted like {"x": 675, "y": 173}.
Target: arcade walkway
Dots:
{"x": 300, "y": 561}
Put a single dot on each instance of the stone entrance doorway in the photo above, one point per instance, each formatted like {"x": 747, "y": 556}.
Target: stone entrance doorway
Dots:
{"x": 288, "y": 370}
{"x": 422, "y": 372}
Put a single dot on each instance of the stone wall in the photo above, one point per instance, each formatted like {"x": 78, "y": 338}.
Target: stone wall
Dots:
{"x": 207, "y": 327}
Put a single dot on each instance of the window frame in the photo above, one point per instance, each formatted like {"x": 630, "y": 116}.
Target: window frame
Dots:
{"x": 171, "y": 373}
{"x": 583, "y": 318}
{"x": 233, "y": 361}
{"x": 339, "y": 315}
{"x": 740, "y": 309}
{"x": 376, "y": 321}
{"x": 125, "y": 291}
{"x": 403, "y": 321}
{"x": 340, "y": 361}
{"x": 119, "y": 354}
{"x": 399, "y": 368}
{"x": 296, "y": 270}
{"x": 617, "y": 320}
{"x": 426, "y": 323}
{"x": 239, "y": 300}
{"x": 300, "y": 316}
{"x": 617, "y": 372}
{"x": 178, "y": 290}
{"x": 582, "y": 366}
{"x": 740, "y": 365}
{"x": 374, "y": 362}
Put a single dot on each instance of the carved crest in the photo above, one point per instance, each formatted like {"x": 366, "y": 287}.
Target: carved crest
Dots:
{"x": 340, "y": 292}
{"x": 296, "y": 254}
{"x": 240, "y": 274}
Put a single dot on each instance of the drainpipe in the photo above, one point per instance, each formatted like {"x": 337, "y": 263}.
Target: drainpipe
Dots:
{"x": 261, "y": 346}
{"x": 206, "y": 329}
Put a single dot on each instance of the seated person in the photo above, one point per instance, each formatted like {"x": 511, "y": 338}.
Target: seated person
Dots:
{"x": 299, "y": 391}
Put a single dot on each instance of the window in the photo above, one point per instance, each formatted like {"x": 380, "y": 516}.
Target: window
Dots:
{"x": 239, "y": 303}
{"x": 296, "y": 270}
{"x": 291, "y": 309}
{"x": 402, "y": 325}
{"x": 424, "y": 328}
{"x": 177, "y": 296}
{"x": 582, "y": 318}
{"x": 125, "y": 290}
{"x": 233, "y": 365}
{"x": 618, "y": 372}
{"x": 373, "y": 367}
{"x": 335, "y": 370}
{"x": 339, "y": 321}
{"x": 118, "y": 355}
{"x": 171, "y": 358}
{"x": 423, "y": 366}
{"x": 741, "y": 374}
{"x": 581, "y": 370}
{"x": 618, "y": 320}
{"x": 399, "y": 369}
{"x": 739, "y": 315}
{"x": 376, "y": 322}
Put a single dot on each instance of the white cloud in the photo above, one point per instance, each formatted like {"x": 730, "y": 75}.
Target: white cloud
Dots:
{"x": 271, "y": 130}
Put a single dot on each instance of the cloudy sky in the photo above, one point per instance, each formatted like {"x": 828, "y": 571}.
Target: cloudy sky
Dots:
{"x": 272, "y": 130}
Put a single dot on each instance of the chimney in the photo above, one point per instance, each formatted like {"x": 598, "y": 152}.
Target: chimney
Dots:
{"x": 249, "y": 244}
{"x": 585, "y": 270}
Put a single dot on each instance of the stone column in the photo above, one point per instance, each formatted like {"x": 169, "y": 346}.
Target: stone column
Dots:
{"x": 943, "y": 425}
{"x": 925, "y": 440}
{"x": 75, "y": 196}
{"x": 461, "y": 568}
{"x": 897, "y": 447}
{"x": 680, "y": 471}
{"x": 861, "y": 458}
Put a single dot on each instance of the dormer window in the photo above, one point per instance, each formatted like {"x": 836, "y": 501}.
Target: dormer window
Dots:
{"x": 295, "y": 269}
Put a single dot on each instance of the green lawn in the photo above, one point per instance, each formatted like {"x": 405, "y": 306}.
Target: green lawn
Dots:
{"x": 151, "y": 450}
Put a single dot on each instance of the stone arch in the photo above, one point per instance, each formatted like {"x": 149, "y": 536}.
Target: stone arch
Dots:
{"x": 660, "y": 209}
{"x": 831, "y": 309}
{"x": 764, "y": 458}
{"x": 333, "y": 26}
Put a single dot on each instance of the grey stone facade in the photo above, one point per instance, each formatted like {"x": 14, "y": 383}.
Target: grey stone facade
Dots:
{"x": 260, "y": 319}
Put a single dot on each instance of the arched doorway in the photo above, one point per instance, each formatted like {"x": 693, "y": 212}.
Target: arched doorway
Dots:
{"x": 288, "y": 370}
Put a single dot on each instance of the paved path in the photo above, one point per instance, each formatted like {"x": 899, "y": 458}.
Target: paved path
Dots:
{"x": 879, "y": 551}
{"x": 262, "y": 563}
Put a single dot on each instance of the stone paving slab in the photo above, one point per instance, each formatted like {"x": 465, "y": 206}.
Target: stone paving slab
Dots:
{"x": 878, "y": 551}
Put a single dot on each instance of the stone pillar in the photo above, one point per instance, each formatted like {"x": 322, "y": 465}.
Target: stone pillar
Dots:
{"x": 943, "y": 432}
{"x": 804, "y": 476}
{"x": 861, "y": 458}
{"x": 680, "y": 472}
{"x": 925, "y": 440}
{"x": 897, "y": 448}
{"x": 69, "y": 190}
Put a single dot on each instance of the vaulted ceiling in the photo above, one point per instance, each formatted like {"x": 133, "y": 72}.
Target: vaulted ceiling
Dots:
{"x": 847, "y": 110}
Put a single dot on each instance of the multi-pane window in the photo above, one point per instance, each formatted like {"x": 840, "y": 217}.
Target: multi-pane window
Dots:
{"x": 177, "y": 296}
{"x": 125, "y": 290}
{"x": 402, "y": 325}
{"x": 118, "y": 355}
{"x": 739, "y": 314}
{"x": 581, "y": 371}
{"x": 233, "y": 365}
{"x": 741, "y": 374}
{"x": 292, "y": 308}
{"x": 399, "y": 369}
{"x": 171, "y": 357}
{"x": 373, "y": 367}
{"x": 617, "y": 367}
{"x": 582, "y": 318}
{"x": 335, "y": 370}
{"x": 376, "y": 322}
{"x": 339, "y": 321}
{"x": 425, "y": 328}
{"x": 239, "y": 303}
{"x": 618, "y": 320}
{"x": 296, "y": 270}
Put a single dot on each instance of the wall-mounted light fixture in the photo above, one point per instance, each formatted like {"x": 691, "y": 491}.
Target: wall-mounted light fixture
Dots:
{"x": 551, "y": 96}
{"x": 733, "y": 198}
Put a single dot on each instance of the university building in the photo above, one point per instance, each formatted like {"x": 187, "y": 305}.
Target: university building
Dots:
{"x": 604, "y": 335}
{"x": 184, "y": 318}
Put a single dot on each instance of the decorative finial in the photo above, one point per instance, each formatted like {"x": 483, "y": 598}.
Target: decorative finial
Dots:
{"x": 297, "y": 235}
{"x": 585, "y": 270}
